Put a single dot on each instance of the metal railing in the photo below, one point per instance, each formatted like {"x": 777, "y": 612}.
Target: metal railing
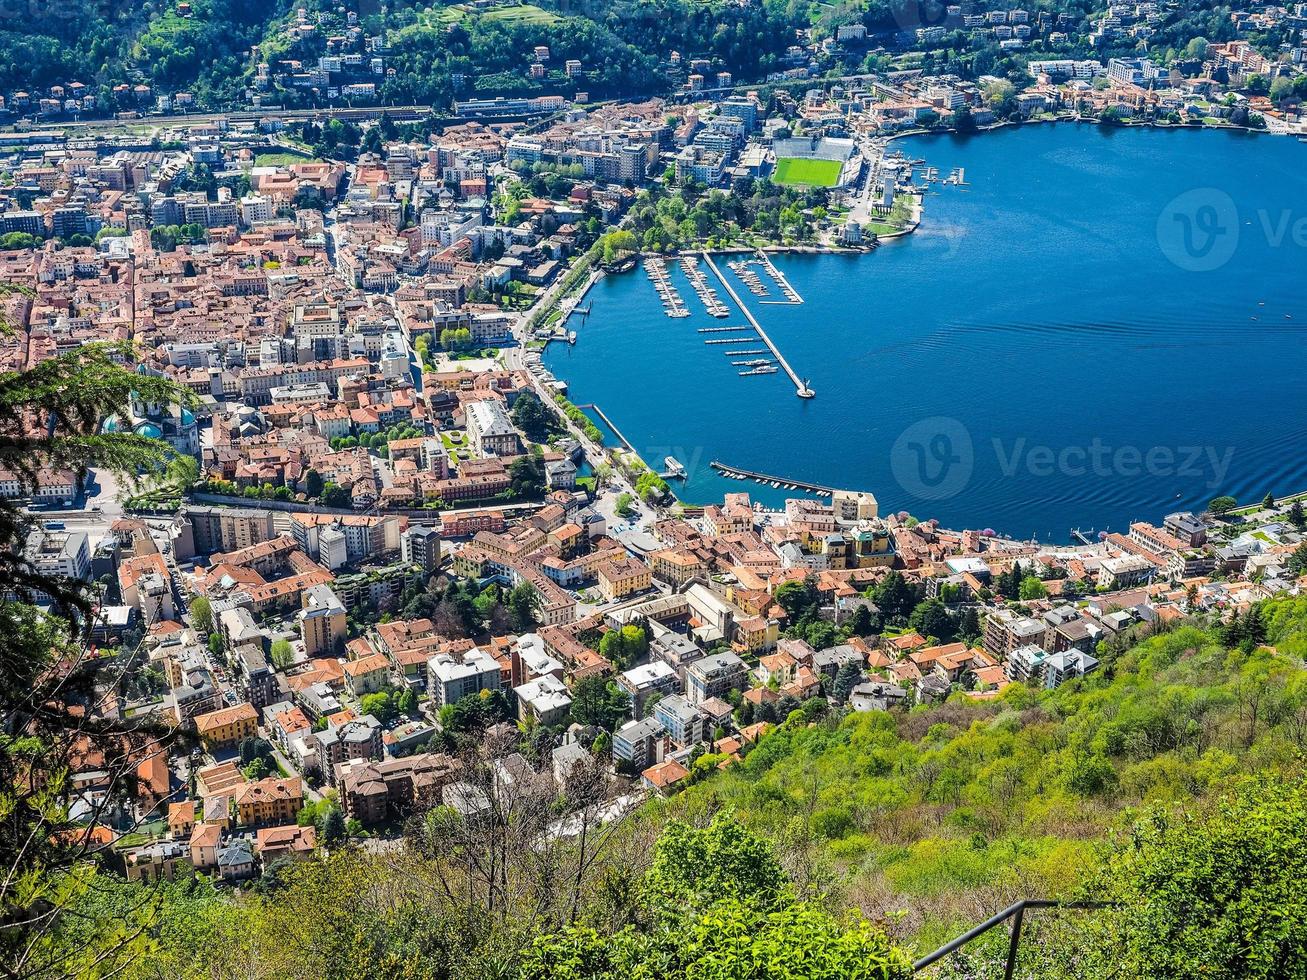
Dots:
{"x": 1017, "y": 913}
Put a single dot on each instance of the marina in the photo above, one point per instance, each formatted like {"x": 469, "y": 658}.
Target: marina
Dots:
{"x": 711, "y": 301}
{"x": 740, "y": 473}
{"x": 673, "y": 306}
{"x": 752, "y": 281}
{"x": 792, "y": 297}
{"x": 800, "y": 385}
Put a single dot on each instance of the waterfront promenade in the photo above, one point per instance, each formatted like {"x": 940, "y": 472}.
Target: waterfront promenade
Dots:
{"x": 800, "y": 386}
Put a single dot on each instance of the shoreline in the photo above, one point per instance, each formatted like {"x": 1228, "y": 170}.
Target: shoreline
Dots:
{"x": 678, "y": 493}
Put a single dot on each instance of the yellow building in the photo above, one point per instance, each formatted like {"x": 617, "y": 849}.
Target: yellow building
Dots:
{"x": 269, "y": 801}
{"x": 227, "y": 726}
{"x": 755, "y": 634}
{"x": 677, "y": 566}
{"x": 623, "y": 577}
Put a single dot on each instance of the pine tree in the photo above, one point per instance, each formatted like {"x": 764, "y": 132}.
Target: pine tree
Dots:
{"x": 51, "y": 417}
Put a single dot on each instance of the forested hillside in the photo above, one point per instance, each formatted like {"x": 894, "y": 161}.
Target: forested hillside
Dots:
{"x": 205, "y": 50}
{"x": 1169, "y": 784}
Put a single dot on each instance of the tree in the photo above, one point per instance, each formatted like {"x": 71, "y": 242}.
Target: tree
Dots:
{"x": 599, "y": 702}
{"x": 202, "y": 615}
{"x": 407, "y": 701}
{"x": 335, "y": 496}
{"x": 331, "y": 825}
{"x": 531, "y": 416}
{"x": 313, "y": 483}
{"x": 1296, "y": 516}
{"x": 282, "y": 654}
{"x": 623, "y": 504}
{"x": 894, "y": 596}
{"x": 847, "y": 678}
{"x": 1032, "y": 588}
{"x": 526, "y": 476}
{"x": 1268, "y": 502}
{"x": 624, "y": 647}
{"x": 932, "y": 619}
{"x": 51, "y": 688}
{"x": 863, "y": 623}
{"x": 1222, "y": 505}
{"x": 215, "y": 645}
{"x": 523, "y": 603}
{"x": 379, "y": 704}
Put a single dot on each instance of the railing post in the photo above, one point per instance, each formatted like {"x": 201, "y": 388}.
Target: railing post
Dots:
{"x": 1015, "y": 944}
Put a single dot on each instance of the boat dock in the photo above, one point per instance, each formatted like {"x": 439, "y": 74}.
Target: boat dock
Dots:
{"x": 746, "y": 353}
{"x": 656, "y": 270}
{"x": 723, "y": 329}
{"x": 727, "y": 340}
{"x": 800, "y": 385}
{"x": 750, "y": 278}
{"x": 791, "y": 294}
{"x": 699, "y": 281}
{"x": 739, "y": 473}
{"x": 673, "y": 469}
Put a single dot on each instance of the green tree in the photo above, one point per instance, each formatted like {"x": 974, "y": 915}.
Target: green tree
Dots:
{"x": 1032, "y": 588}
{"x": 313, "y": 483}
{"x": 331, "y": 825}
{"x": 335, "y": 496}
{"x": 202, "y": 614}
{"x": 932, "y": 619}
{"x": 50, "y": 686}
{"x": 1296, "y": 516}
{"x": 1222, "y": 505}
{"x": 379, "y": 704}
{"x": 523, "y": 602}
{"x": 282, "y": 654}
{"x": 847, "y": 678}
{"x": 530, "y": 415}
{"x": 599, "y": 702}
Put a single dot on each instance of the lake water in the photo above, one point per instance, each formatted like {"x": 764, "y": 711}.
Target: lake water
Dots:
{"x": 1103, "y": 325}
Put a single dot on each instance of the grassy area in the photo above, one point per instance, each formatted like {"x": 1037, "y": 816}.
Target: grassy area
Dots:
{"x": 281, "y": 159}
{"x": 801, "y": 170}
{"x": 519, "y": 13}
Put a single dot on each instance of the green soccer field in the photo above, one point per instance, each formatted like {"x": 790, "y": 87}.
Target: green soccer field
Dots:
{"x": 800, "y": 170}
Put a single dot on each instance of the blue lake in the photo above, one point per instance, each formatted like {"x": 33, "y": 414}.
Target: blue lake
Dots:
{"x": 1103, "y": 325}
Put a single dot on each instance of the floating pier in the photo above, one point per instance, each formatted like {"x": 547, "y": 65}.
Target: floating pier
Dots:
{"x": 791, "y": 294}
{"x": 745, "y": 353}
{"x": 672, "y": 469}
{"x": 656, "y": 270}
{"x": 699, "y": 281}
{"x": 727, "y": 340}
{"x": 723, "y": 329}
{"x": 739, "y": 473}
{"x": 750, "y": 278}
{"x": 800, "y": 385}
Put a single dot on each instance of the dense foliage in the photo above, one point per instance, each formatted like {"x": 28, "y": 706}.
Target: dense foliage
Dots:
{"x": 946, "y": 810}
